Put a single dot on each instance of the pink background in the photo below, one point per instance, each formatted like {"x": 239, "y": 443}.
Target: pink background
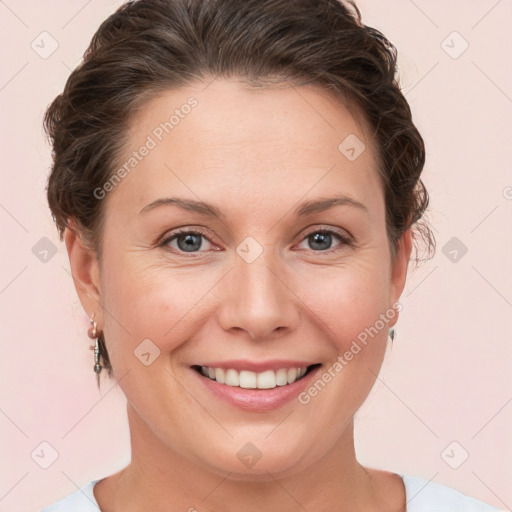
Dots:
{"x": 446, "y": 379}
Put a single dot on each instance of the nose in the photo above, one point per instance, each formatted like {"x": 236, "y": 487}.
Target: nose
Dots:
{"x": 258, "y": 298}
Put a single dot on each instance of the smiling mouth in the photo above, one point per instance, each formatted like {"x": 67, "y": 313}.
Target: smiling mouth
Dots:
{"x": 245, "y": 379}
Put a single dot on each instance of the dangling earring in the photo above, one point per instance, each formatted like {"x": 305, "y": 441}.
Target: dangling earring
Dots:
{"x": 93, "y": 334}
{"x": 392, "y": 334}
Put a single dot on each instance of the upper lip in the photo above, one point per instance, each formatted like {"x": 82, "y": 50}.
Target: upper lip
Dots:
{"x": 257, "y": 366}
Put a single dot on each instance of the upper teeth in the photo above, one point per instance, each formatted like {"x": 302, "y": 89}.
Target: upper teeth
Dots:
{"x": 251, "y": 380}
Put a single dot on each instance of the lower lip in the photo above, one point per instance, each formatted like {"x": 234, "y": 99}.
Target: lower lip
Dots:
{"x": 257, "y": 400}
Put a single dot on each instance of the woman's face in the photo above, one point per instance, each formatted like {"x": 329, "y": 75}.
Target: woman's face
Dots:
{"x": 268, "y": 280}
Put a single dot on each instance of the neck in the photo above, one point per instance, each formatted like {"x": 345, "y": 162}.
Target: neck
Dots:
{"x": 159, "y": 477}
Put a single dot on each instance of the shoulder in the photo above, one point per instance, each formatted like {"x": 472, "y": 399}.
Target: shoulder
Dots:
{"x": 82, "y": 500}
{"x": 424, "y": 496}
{"x": 421, "y": 496}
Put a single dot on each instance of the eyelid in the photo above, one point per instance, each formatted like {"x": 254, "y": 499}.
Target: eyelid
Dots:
{"x": 331, "y": 229}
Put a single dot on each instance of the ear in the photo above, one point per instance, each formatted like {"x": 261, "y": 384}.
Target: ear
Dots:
{"x": 85, "y": 271}
{"x": 399, "y": 265}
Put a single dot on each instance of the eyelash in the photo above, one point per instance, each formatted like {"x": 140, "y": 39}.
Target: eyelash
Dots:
{"x": 344, "y": 239}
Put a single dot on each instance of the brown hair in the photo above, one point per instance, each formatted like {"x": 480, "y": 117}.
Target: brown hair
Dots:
{"x": 148, "y": 46}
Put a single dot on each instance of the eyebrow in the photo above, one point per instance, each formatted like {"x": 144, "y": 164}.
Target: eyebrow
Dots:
{"x": 210, "y": 210}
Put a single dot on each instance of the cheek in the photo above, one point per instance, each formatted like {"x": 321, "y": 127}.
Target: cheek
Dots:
{"x": 150, "y": 303}
{"x": 347, "y": 301}
{"x": 348, "y": 304}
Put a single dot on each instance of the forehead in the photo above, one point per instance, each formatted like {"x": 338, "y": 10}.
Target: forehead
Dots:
{"x": 225, "y": 141}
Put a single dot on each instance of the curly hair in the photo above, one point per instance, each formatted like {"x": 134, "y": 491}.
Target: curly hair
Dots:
{"x": 149, "y": 46}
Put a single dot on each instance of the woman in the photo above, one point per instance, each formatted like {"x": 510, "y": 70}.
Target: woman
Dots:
{"x": 238, "y": 187}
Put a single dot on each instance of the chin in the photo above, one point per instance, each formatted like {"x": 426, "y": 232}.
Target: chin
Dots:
{"x": 253, "y": 461}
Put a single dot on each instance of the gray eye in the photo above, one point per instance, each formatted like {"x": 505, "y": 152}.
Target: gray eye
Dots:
{"x": 187, "y": 241}
{"x": 320, "y": 241}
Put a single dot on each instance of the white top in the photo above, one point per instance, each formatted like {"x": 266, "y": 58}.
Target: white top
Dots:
{"x": 421, "y": 496}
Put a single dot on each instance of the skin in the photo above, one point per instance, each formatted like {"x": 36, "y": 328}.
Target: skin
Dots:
{"x": 256, "y": 155}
